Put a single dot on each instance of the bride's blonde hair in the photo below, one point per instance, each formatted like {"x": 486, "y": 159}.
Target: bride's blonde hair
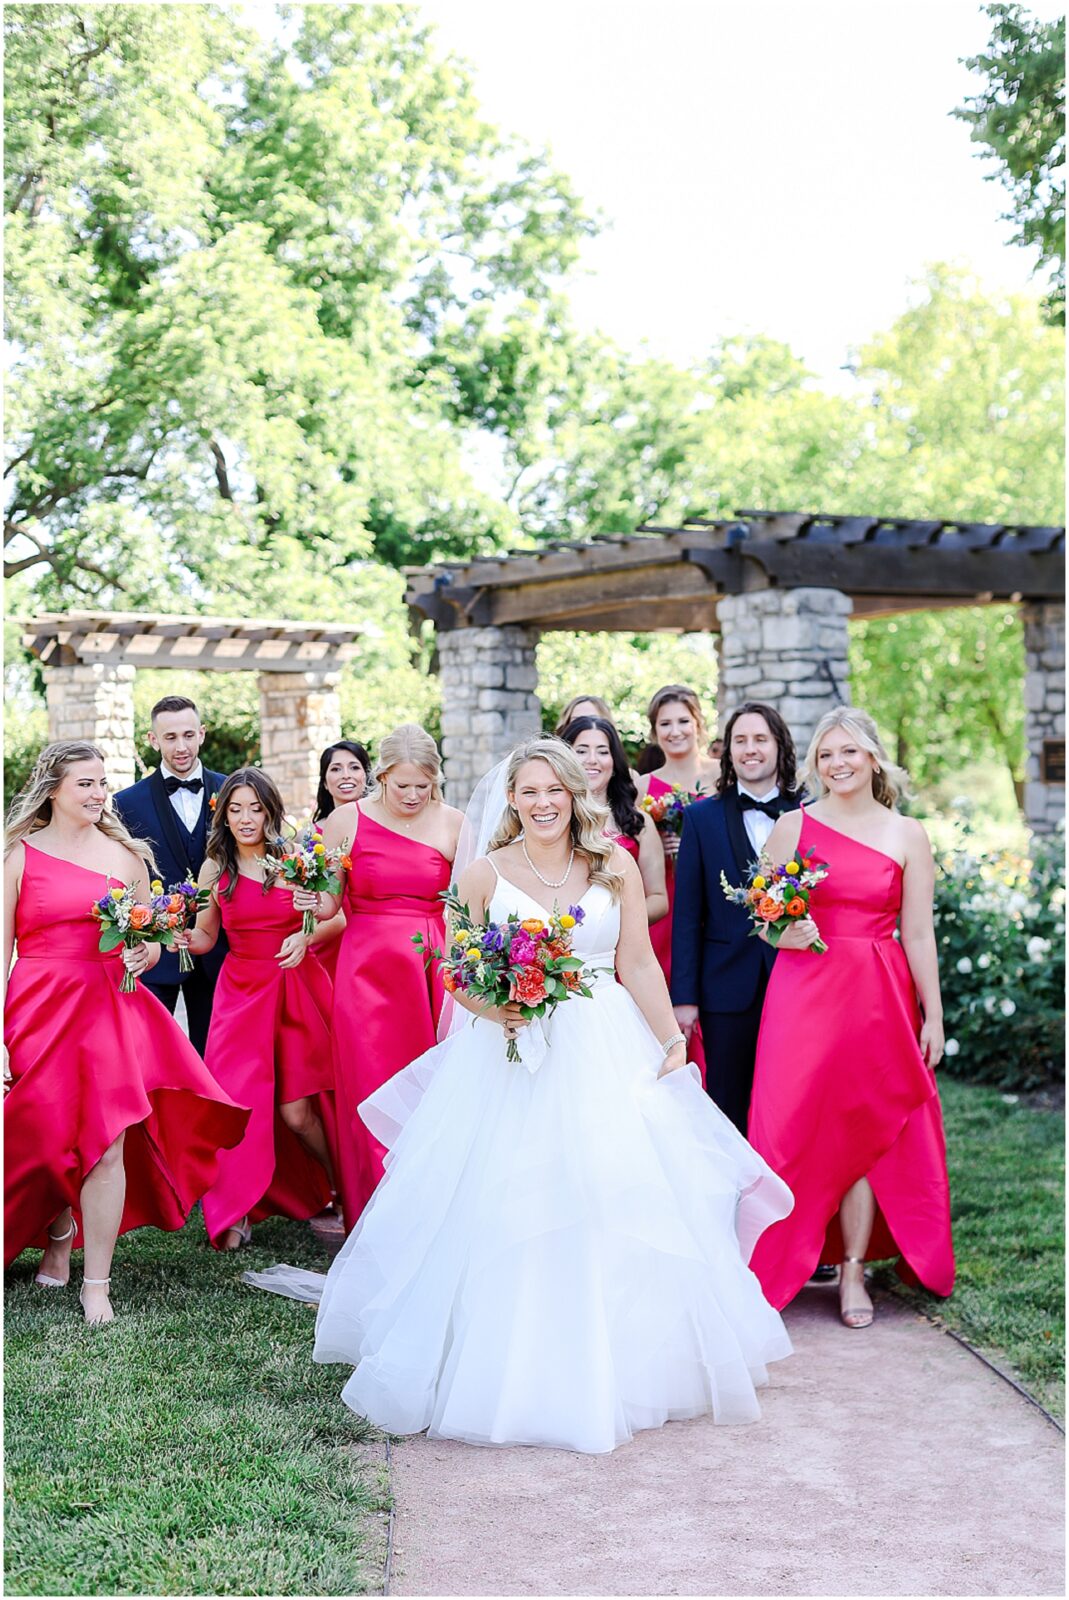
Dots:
{"x": 889, "y": 783}
{"x": 589, "y": 817}
{"x": 31, "y": 808}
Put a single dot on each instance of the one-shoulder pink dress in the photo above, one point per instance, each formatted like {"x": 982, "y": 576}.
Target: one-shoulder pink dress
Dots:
{"x": 841, "y": 1090}
{"x": 88, "y": 1064}
{"x": 268, "y": 1045}
{"x": 386, "y": 1000}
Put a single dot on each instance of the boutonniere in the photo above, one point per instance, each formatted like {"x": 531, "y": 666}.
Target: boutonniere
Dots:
{"x": 212, "y": 798}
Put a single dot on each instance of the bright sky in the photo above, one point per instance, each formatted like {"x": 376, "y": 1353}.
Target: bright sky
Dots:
{"x": 779, "y": 167}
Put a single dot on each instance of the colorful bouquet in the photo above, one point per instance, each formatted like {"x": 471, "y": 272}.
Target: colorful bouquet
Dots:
{"x": 306, "y": 863}
{"x": 667, "y": 809}
{"x": 127, "y": 921}
{"x": 189, "y": 902}
{"x": 529, "y": 962}
{"x": 775, "y": 897}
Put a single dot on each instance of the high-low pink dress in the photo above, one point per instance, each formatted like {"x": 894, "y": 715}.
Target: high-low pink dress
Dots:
{"x": 268, "y": 1044}
{"x": 841, "y": 1090}
{"x": 661, "y": 935}
{"x": 386, "y": 1000}
{"x": 89, "y": 1063}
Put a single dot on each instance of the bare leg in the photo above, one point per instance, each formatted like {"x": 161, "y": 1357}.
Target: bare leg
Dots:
{"x": 56, "y": 1261}
{"x": 102, "y": 1199}
{"x": 300, "y": 1119}
{"x": 857, "y": 1213}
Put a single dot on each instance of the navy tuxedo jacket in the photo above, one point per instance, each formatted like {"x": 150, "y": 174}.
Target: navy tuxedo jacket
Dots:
{"x": 147, "y": 811}
{"x": 716, "y": 964}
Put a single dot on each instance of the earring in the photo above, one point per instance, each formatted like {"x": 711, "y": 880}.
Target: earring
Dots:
{"x": 877, "y": 769}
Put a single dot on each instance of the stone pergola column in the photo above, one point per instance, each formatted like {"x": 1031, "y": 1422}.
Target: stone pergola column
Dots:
{"x": 489, "y": 703}
{"x": 95, "y": 701}
{"x": 1044, "y": 713}
{"x": 788, "y": 647}
{"x": 300, "y": 714}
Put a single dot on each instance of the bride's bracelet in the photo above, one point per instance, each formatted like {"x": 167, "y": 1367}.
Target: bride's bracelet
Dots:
{"x": 670, "y": 1044}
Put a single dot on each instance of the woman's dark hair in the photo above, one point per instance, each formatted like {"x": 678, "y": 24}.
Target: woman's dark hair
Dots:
{"x": 786, "y": 759}
{"x": 222, "y": 846}
{"x": 649, "y": 759}
{"x": 324, "y": 799}
{"x": 621, "y": 794}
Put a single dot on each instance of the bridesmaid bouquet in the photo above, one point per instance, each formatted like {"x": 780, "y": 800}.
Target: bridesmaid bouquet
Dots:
{"x": 777, "y": 896}
{"x": 189, "y": 901}
{"x": 306, "y": 863}
{"x": 127, "y": 921}
{"x": 667, "y": 809}
{"x": 528, "y": 962}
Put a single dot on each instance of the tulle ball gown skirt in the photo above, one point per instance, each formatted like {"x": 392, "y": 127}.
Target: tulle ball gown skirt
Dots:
{"x": 554, "y": 1257}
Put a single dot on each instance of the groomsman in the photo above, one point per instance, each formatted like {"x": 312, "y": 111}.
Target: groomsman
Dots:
{"x": 172, "y": 808}
{"x": 720, "y": 973}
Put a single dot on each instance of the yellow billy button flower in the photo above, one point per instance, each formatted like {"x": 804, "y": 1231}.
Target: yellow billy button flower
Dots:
{"x": 459, "y": 935}
{"x": 156, "y": 886}
{"x": 320, "y": 850}
{"x": 760, "y": 883}
{"x": 474, "y": 954}
{"x": 567, "y": 922}
{"x": 792, "y": 868}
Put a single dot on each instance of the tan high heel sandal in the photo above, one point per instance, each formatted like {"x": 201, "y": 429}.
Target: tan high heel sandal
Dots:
{"x": 43, "y": 1278}
{"x": 856, "y": 1316}
{"x": 243, "y": 1229}
{"x": 95, "y": 1322}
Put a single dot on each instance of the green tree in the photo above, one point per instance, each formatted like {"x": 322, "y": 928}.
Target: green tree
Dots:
{"x": 1019, "y": 117}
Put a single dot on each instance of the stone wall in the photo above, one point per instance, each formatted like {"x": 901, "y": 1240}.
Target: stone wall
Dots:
{"x": 489, "y": 702}
{"x": 1044, "y": 714}
{"x": 788, "y": 647}
{"x": 95, "y": 702}
{"x": 300, "y": 714}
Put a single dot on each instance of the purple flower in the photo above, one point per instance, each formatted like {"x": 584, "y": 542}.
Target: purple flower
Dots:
{"x": 493, "y": 938}
{"x": 577, "y": 912}
{"x": 104, "y": 902}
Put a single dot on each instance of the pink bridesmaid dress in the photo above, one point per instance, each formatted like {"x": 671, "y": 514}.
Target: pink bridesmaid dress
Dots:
{"x": 268, "y": 1044}
{"x": 386, "y": 1001}
{"x": 661, "y": 934}
{"x": 841, "y": 1090}
{"x": 88, "y": 1064}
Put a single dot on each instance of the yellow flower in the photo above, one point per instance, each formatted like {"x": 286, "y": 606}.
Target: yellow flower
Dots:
{"x": 116, "y": 894}
{"x": 760, "y": 883}
{"x": 459, "y": 936}
{"x": 793, "y": 867}
{"x": 157, "y": 886}
{"x": 320, "y": 850}
{"x": 474, "y": 954}
{"x": 567, "y": 922}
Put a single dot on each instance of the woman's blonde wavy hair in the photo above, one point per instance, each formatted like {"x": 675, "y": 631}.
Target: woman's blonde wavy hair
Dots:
{"x": 31, "y": 808}
{"x": 411, "y": 743}
{"x": 589, "y": 817}
{"x": 889, "y": 783}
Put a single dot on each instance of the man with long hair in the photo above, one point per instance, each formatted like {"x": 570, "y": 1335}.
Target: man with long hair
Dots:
{"x": 719, "y": 973}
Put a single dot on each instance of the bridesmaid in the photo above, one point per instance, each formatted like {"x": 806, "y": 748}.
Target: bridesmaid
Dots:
{"x": 678, "y": 728}
{"x": 582, "y": 705}
{"x": 845, "y": 1106}
{"x": 344, "y": 771}
{"x": 402, "y": 841}
{"x": 601, "y": 755}
{"x": 113, "y": 1121}
{"x": 269, "y": 1040}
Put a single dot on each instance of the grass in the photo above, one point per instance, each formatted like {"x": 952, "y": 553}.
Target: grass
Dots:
{"x": 190, "y": 1448}
{"x": 1007, "y": 1191}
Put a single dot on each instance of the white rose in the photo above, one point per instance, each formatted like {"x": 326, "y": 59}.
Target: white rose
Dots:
{"x": 1037, "y": 947}
{"x": 964, "y": 965}
{"x": 984, "y": 960}
{"x": 989, "y": 1003}
{"x": 1008, "y": 1007}
{"x": 951, "y": 1047}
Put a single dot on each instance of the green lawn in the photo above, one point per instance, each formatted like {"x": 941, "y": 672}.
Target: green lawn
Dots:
{"x": 190, "y": 1448}
{"x": 1007, "y": 1177}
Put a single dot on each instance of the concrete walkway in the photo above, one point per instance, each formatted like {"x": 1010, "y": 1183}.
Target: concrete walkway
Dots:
{"x": 889, "y": 1462}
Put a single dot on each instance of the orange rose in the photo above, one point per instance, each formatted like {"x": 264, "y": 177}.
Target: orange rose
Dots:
{"x": 140, "y": 916}
{"x": 530, "y": 987}
{"x": 346, "y": 862}
{"x": 532, "y": 926}
{"x": 768, "y": 909}
{"x": 795, "y": 907}
{"x": 176, "y": 902}
{"x": 449, "y": 983}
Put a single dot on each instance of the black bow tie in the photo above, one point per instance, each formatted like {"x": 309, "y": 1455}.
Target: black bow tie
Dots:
{"x": 194, "y": 785}
{"x": 768, "y": 808}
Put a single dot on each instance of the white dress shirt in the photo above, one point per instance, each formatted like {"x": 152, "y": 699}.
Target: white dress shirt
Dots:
{"x": 757, "y": 825}
{"x": 185, "y": 802}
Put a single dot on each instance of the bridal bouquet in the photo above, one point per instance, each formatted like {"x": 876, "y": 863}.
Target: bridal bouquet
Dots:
{"x": 305, "y": 863}
{"x": 777, "y": 896}
{"x": 189, "y": 901}
{"x": 528, "y": 962}
{"x": 667, "y": 809}
{"x": 124, "y": 920}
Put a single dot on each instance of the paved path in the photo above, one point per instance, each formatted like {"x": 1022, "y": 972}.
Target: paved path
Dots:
{"x": 890, "y": 1462}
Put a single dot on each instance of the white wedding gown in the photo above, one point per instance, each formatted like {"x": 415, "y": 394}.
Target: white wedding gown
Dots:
{"x": 555, "y": 1256}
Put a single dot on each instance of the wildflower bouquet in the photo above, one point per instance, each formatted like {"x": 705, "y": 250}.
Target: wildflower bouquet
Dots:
{"x": 775, "y": 897}
{"x": 667, "y": 809}
{"x": 126, "y": 921}
{"x": 189, "y": 901}
{"x": 306, "y": 863}
{"x": 529, "y": 962}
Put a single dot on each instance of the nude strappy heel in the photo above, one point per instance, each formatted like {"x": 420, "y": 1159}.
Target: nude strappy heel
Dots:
{"x": 43, "y": 1278}
{"x": 855, "y": 1316}
{"x": 94, "y": 1322}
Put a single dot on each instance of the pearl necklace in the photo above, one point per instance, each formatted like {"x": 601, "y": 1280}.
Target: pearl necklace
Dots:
{"x": 549, "y": 882}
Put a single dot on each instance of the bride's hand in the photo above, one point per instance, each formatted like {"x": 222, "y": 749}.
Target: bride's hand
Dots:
{"x": 676, "y": 1058}
{"x": 512, "y": 1019}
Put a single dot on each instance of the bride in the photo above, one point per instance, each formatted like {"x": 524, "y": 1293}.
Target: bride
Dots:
{"x": 557, "y": 1252}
